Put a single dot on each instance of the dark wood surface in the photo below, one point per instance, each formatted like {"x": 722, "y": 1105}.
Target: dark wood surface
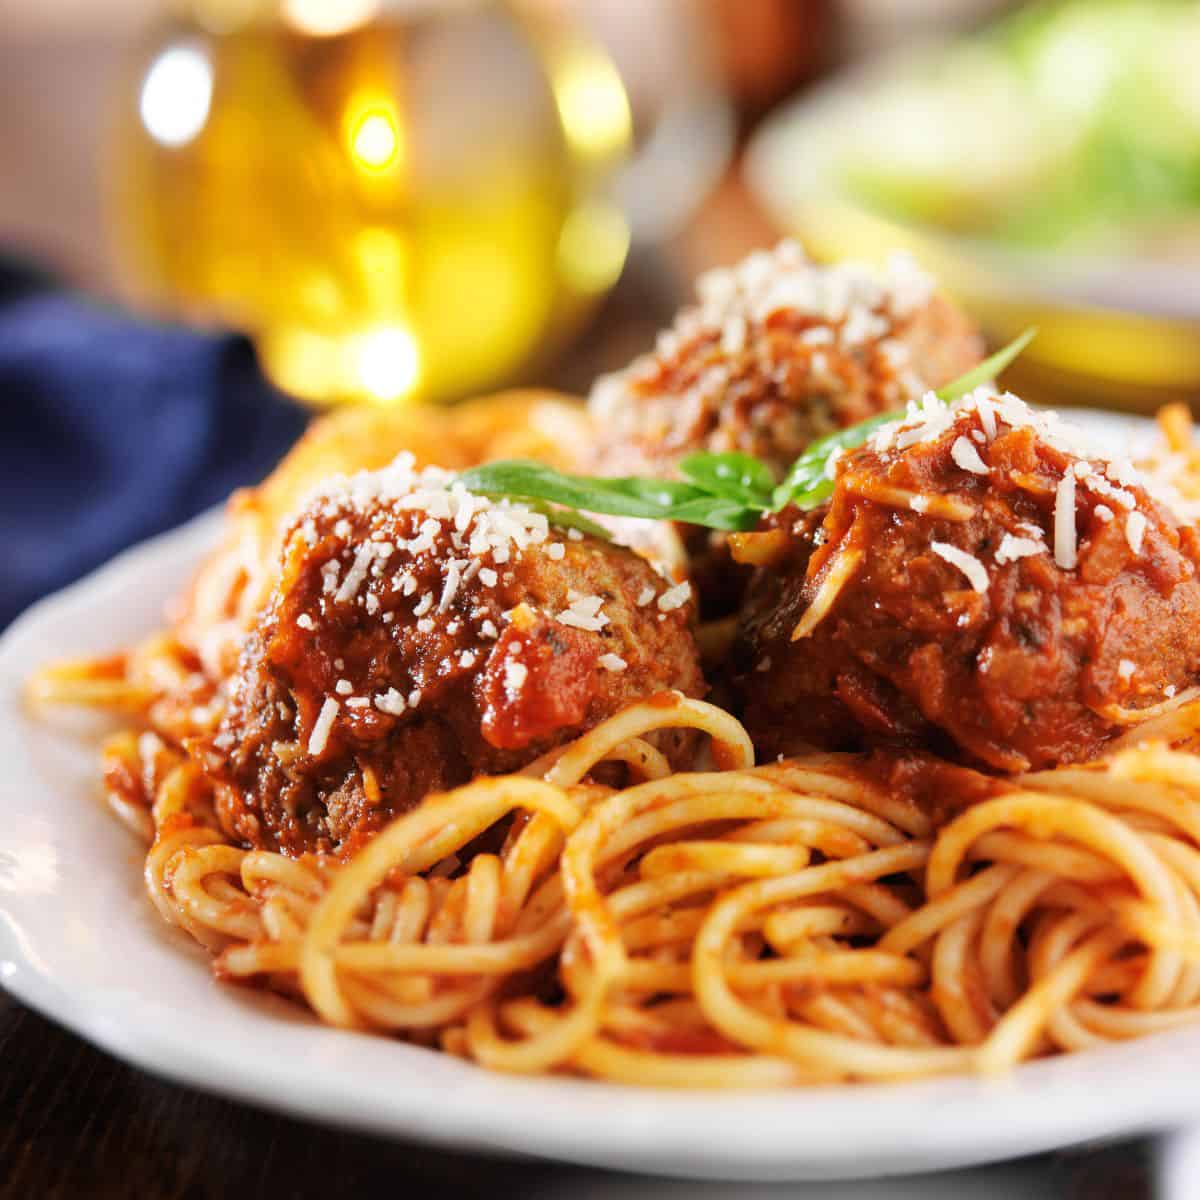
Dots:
{"x": 76, "y": 1123}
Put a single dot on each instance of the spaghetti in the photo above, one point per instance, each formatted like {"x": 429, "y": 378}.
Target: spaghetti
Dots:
{"x": 820, "y": 919}
{"x": 803, "y": 922}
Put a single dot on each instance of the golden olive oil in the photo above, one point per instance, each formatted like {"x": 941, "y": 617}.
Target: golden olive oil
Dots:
{"x": 414, "y": 204}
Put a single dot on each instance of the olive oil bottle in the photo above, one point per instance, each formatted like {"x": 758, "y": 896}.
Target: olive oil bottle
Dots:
{"x": 395, "y": 200}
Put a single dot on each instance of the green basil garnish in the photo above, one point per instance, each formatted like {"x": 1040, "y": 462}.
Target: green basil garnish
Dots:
{"x": 727, "y": 492}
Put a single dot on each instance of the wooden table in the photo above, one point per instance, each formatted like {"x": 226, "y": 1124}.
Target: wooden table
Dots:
{"x": 76, "y": 1123}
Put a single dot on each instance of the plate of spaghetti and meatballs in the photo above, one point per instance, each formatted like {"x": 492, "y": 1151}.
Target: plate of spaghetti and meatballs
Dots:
{"x": 802, "y": 714}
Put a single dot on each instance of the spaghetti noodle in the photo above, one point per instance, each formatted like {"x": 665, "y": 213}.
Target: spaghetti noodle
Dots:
{"x": 801, "y": 922}
{"x": 823, "y": 918}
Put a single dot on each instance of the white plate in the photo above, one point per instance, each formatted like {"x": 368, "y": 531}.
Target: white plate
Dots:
{"x": 80, "y": 942}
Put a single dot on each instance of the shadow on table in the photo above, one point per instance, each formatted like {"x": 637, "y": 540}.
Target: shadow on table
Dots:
{"x": 76, "y": 1123}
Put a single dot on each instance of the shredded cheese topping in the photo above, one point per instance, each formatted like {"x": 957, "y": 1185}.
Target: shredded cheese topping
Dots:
{"x": 583, "y": 612}
{"x": 967, "y": 457}
{"x": 466, "y": 538}
{"x": 675, "y": 597}
{"x": 319, "y": 738}
{"x": 1135, "y": 531}
{"x": 854, "y": 304}
{"x": 1065, "y": 541}
{"x": 974, "y": 421}
{"x": 1012, "y": 548}
{"x": 968, "y": 564}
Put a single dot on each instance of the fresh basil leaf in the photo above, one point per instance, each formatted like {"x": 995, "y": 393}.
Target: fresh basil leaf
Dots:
{"x": 987, "y": 370}
{"x": 520, "y": 480}
{"x": 732, "y": 475}
{"x": 667, "y": 492}
{"x": 808, "y": 471}
{"x": 542, "y": 487}
{"x": 814, "y": 497}
{"x": 717, "y": 512}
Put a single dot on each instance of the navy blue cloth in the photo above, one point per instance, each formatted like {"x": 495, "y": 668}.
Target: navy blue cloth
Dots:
{"x": 113, "y": 429}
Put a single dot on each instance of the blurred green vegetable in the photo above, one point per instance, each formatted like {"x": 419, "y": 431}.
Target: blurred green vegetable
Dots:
{"x": 1070, "y": 123}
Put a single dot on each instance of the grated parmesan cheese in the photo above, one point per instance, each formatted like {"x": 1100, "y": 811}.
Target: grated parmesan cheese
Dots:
{"x": 1065, "y": 544}
{"x": 849, "y": 305}
{"x": 612, "y": 662}
{"x": 675, "y": 597}
{"x": 583, "y": 612}
{"x": 391, "y": 702}
{"x": 983, "y": 414}
{"x": 1012, "y": 548}
{"x": 968, "y": 564}
{"x": 356, "y": 574}
{"x": 450, "y": 588}
{"x": 967, "y": 457}
{"x": 319, "y": 738}
{"x": 1135, "y": 531}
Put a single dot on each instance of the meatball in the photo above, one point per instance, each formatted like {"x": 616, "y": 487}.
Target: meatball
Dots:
{"x": 217, "y": 610}
{"x": 981, "y": 582}
{"x": 778, "y": 352}
{"x": 419, "y": 635}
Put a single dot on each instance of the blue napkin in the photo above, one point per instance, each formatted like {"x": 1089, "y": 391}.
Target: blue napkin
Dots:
{"x": 114, "y": 429}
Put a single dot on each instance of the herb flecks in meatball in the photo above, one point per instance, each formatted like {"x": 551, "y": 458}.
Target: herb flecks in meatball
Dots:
{"x": 420, "y": 635}
{"x": 983, "y": 580}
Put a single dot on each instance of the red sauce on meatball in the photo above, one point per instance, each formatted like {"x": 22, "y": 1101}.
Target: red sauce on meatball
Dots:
{"x": 418, "y": 637}
{"x": 962, "y": 624}
{"x": 778, "y": 352}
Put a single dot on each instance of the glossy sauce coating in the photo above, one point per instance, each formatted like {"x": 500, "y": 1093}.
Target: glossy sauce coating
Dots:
{"x": 429, "y": 682}
{"x": 1041, "y": 667}
{"x": 778, "y": 353}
